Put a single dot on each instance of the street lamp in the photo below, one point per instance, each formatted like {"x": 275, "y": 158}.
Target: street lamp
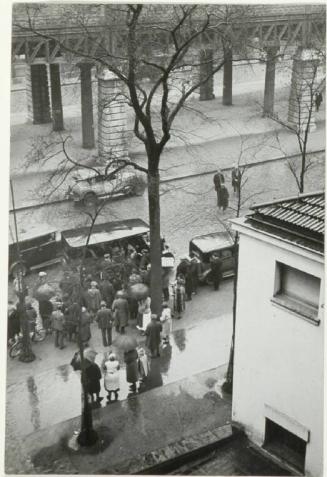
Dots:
{"x": 26, "y": 354}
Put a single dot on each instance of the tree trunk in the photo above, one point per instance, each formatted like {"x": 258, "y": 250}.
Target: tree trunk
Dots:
{"x": 155, "y": 243}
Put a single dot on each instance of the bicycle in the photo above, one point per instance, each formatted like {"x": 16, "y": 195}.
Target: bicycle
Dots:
{"x": 16, "y": 346}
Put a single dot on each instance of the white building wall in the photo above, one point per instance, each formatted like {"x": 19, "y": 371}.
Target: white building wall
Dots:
{"x": 278, "y": 356}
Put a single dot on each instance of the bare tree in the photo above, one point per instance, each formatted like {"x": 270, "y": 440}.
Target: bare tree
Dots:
{"x": 163, "y": 40}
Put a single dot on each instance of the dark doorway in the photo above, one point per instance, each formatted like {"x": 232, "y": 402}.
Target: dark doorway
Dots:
{"x": 285, "y": 444}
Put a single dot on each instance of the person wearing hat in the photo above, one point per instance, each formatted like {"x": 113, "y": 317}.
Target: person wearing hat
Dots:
{"x": 218, "y": 180}
{"x": 111, "y": 376}
{"x": 104, "y": 318}
{"x": 152, "y": 334}
{"x": 216, "y": 272}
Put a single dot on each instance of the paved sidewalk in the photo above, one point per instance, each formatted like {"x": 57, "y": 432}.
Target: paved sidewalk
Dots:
{"x": 205, "y": 135}
{"x": 140, "y": 425}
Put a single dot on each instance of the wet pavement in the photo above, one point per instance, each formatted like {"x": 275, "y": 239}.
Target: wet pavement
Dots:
{"x": 34, "y": 400}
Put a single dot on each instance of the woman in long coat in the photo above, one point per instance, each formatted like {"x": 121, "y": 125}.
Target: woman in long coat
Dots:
{"x": 131, "y": 361}
{"x": 120, "y": 309}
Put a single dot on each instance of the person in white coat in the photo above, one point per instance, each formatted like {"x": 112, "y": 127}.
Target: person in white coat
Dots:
{"x": 111, "y": 376}
{"x": 166, "y": 321}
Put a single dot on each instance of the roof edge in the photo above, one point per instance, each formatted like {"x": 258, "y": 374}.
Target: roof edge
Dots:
{"x": 284, "y": 199}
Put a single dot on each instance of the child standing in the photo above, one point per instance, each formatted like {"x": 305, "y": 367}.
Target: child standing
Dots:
{"x": 166, "y": 323}
{"x": 111, "y": 377}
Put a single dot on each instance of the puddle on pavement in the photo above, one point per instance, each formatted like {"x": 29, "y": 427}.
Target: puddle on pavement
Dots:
{"x": 55, "y": 395}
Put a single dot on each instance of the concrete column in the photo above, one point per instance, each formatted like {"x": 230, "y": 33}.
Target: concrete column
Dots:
{"x": 301, "y": 101}
{"x": 55, "y": 87}
{"x": 111, "y": 116}
{"x": 269, "y": 93}
{"x": 206, "y": 67}
{"x": 38, "y": 104}
{"x": 228, "y": 79}
{"x": 87, "y": 105}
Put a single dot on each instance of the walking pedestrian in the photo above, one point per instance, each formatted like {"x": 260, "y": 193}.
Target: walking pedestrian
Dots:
{"x": 111, "y": 376}
{"x": 121, "y": 312}
{"x": 58, "y": 325}
{"x": 152, "y": 334}
{"x": 218, "y": 180}
{"x": 132, "y": 374}
{"x": 216, "y": 272}
{"x": 166, "y": 322}
{"x": 104, "y": 318}
{"x": 224, "y": 197}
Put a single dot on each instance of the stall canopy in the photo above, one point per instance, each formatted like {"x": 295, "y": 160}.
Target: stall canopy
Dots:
{"x": 106, "y": 232}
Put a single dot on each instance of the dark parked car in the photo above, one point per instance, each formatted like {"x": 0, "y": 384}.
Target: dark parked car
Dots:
{"x": 38, "y": 248}
{"x": 105, "y": 236}
{"x": 222, "y": 244}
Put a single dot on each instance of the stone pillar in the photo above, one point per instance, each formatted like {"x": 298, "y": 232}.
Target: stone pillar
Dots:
{"x": 269, "y": 93}
{"x": 87, "y": 105}
{"x": 56, "y": 102}
{"x": 38, "y": 104}
{"x": 111, "y": 116}
{"x": 228, "y": 78}
{"x": 206, "y": 67}
{"x": 301, "y": 101}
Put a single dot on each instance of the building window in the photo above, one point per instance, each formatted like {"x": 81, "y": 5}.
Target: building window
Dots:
{"x": 297, "y": 291}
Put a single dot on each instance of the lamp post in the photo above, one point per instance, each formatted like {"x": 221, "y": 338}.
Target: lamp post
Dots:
{"x": 27, "y": 354}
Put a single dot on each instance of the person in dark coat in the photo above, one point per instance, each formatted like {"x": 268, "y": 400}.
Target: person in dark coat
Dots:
{"x": 120, "y": 309}
{"x": 216, "y": 272}
{"x": 152, "y": 334}
{"x": 218, "y": 180}
{"x": 195, "y": 269}
{"x": 92, "y": 380}
{"x": 183, "y": 267}
{"x": 107, "y": 291}
{"x": 236, "y": 179}
{"x": 45, "y": 310}
{"x": 188, "y": 284}
{"x": 224, "y": 197}
{"x": 132, "y": 373}
{"x": 104, "y": 318}
{"x": 318, "y": 100}
{"x": 72, "y": 314}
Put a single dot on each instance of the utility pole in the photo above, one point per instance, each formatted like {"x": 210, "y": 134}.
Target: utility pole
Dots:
{"x": 27, "y": 354}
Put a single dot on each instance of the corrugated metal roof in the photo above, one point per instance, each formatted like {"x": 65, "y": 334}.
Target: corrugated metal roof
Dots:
{"x": 307, "y": 211}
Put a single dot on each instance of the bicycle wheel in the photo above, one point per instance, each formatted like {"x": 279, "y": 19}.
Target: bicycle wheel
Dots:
{"x": 16, "y": 349}
{"x": 39, "y": 335}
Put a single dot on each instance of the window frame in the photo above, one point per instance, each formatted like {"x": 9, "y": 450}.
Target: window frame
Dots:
{"x": 294, "y": 305}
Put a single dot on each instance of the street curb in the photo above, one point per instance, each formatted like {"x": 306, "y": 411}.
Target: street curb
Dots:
{"x": 188, "y": 176}
{"x": 164, "y": 460}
